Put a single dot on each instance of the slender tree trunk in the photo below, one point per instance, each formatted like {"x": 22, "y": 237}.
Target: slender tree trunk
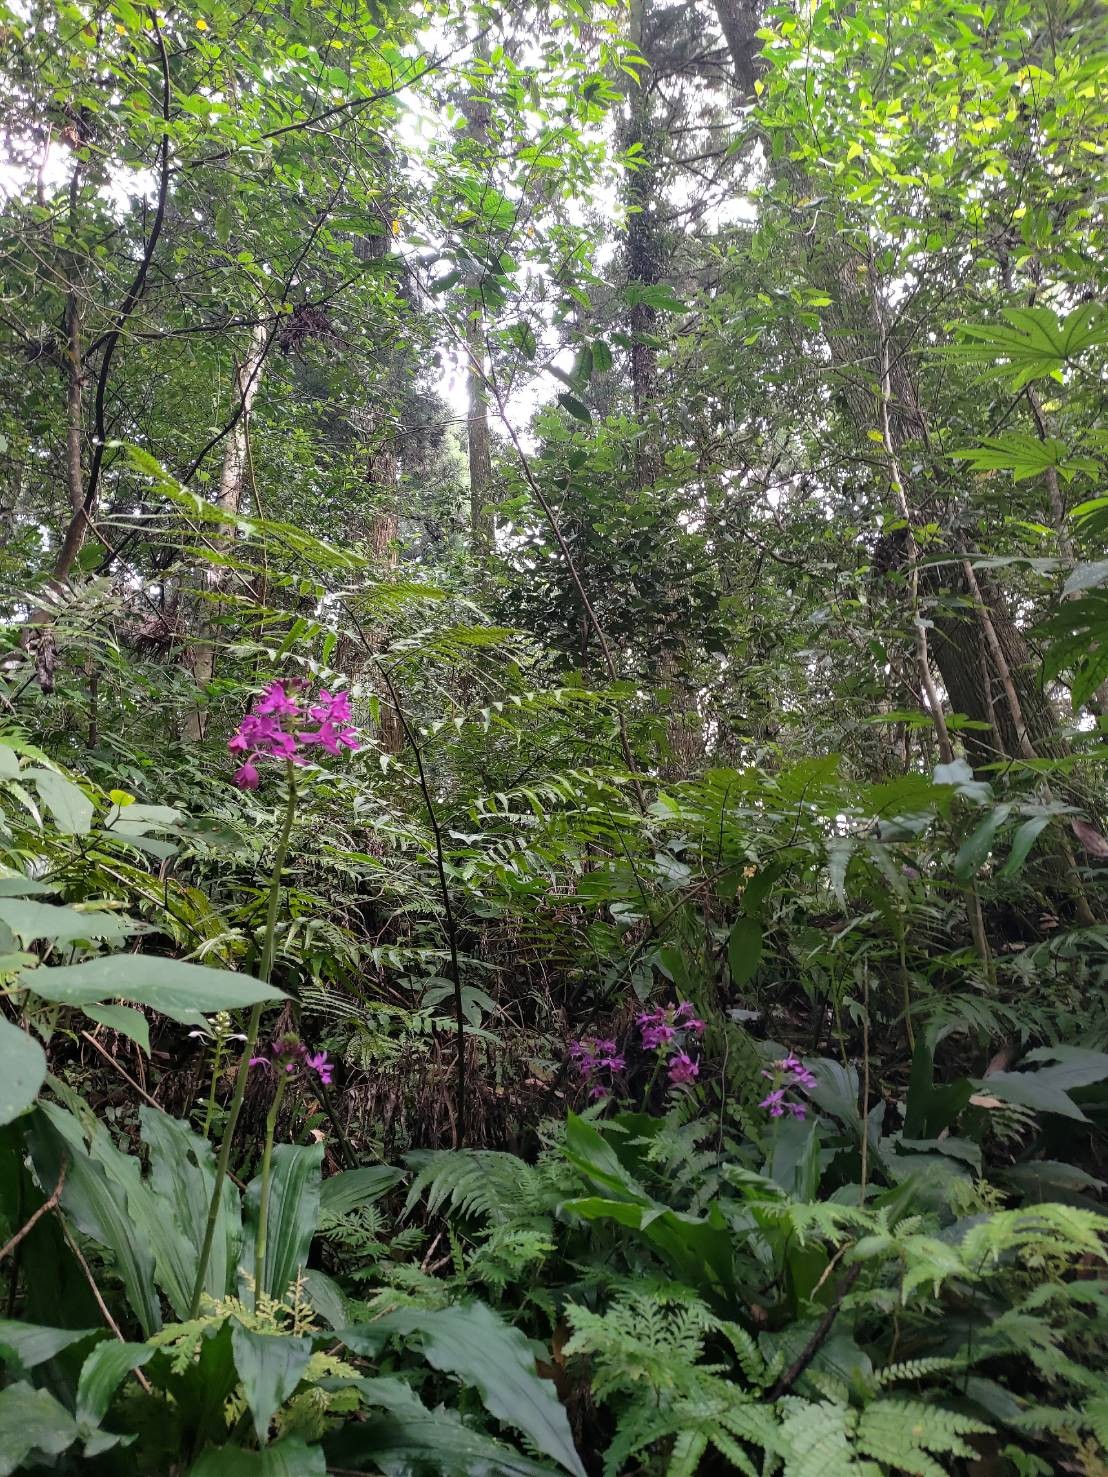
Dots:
{"x": 482, "y": 532}
{"x": 383, "y": 478}
{"x": 643, "y": 253}
{"x": 231, "y": 481}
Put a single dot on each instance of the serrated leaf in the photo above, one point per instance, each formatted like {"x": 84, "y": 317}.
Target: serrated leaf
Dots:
{"x": 601, "y": 356}
{"x": 576, "y": 408}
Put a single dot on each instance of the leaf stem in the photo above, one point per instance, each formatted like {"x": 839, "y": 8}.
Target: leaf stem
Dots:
{"x": 262, "y": 1231}
{"x": 268, "y": 950}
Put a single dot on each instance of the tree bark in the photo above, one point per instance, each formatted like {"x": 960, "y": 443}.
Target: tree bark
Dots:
{"x": 482, "y": 532}
{"x": 232, "y": 477}
{"x": 382, "y": 477}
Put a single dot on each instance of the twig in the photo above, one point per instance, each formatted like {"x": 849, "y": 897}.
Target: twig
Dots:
{"x": 44, "y": 1209}
{"x": 812, "y": 1347}
{"x": 82, "y": 517}
{"x": 100, "y": 1303}
{"x": 448, "y": 911}
{"x": 111, "y": 1061}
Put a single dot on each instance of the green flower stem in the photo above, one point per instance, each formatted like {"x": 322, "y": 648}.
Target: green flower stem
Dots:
{"x": 263, "y": 1204}
{"x": 268, "y": 951}
{"x": 217, "y": 1067}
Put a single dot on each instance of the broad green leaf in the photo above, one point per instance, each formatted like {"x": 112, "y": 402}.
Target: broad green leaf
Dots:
{"x": 1086, "y": 577}
{"x": 294, "y": 1190}
{"x": 270, "y": 1366}
{"x": 182, "y": 1178}
{"x": 474, "y": 1343}
{"x": 352, "y": 1188}
{"x": 62, "y": 925}
{"x": 431, "y": 1443}
{"x": 589, "y": 1151}
{"x": 185, "y": 992}
{"x": 282, "y": 1459}
{"x": 596, "y": 1208}
{"x": 71, "y": 808}
{"x": 576, "y": 407}
{"x": 1026, "y": 836}
{"x": 97, "y": 1202}
{"x": 325, "y": 1297}
{"x": 974, "y": 851}
{"x": 28, "y": 1344}
{"x": 1074, "y": 1066}
{"x": 22, "y": 1070}
{"x": 130, "y": 1023}
{"x": 744, "y": 949}
{"x": 1047, "y": 1089}
{"x": 136, "y": 820}
{"x": 24, "y": 886}
{"x": 32, "y": 1421}
{"x": 102, "y": 1373}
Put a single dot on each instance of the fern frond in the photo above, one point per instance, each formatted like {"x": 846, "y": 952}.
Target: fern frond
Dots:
{"x": 817, "y": 1438}
{"x": 915, "y": 1369}
{"x": 907, "y": 1434}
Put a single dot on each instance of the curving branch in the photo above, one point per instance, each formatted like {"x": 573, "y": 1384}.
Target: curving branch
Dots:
{"x": 82, "y": 515}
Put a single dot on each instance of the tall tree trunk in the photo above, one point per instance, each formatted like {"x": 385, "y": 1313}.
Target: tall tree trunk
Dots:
{"x": 644, "y": 258}
{"x": 643, "y": 251}
{"x": 977, "y": 643}
{"x": 382, "y": 477}
{"x": 482, "y": 532}
{"x": 232, "y": 478}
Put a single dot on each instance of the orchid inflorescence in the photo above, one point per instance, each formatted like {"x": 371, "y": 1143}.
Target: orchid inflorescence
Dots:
{"x": 594, "y": 1058}
{"x": 274, "y": 729}
{"x": 788, "y": 1074}
{"x": 666, "y": 1030}
{"x": 288, "y": 1054}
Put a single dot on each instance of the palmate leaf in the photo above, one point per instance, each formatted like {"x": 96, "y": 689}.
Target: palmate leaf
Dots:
{"x": 1033, "y": 344}
{"x": 1024, "y": 455}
